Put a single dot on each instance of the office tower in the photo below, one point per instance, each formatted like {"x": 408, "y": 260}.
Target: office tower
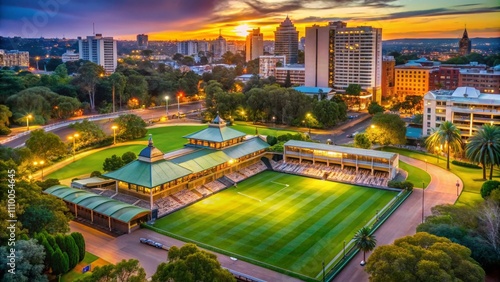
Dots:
{"x": 99, "y": 50}
{"x": 286, "y": 41}
{"x": 268, "y": 64}
{"x": 254, "y": 45}
{"x": 219, "y": 46}
{"x": 358, "y": 59}
{"x": 302, "y": 43}
{"x": 388, "y": 73}
{"x": 412, "y": 79}
{"x": 14, "y": 58}
{"x": 142, "y": 41}
{"x": 187, "y": 48}
{"x": 319, "y": 54}
{"x": 465, "y": 45}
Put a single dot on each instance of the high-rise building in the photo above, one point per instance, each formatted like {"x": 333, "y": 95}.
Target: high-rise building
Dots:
{"x": 286, "y": 41}
{"x": 219, "y": 46}
{"x": 254, "y": 45}
{"x": 319, "y": 54}
{"x": 187, "y": 48}
{"x": 388, "y": 72}
{"x": 142, "y": 41}
{"x": 465, "y": 45}
{"x": 14, "y": 58}
{"x": 100, "y": 50}
{"x": 358, "y": 59}
{"x": 412, "y": 79}
{"x": 268, "y": 64}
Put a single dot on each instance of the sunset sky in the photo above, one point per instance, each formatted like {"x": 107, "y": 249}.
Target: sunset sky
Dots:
{"x": 198, "y": 19}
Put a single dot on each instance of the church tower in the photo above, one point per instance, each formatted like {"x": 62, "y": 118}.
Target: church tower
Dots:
{"x": 464, "y": 46}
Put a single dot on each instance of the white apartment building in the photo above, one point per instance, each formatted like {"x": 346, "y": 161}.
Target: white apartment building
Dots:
{"x": 268, "y": 64}
{"x": 14, "y": 58}
{"x": 465, "y": 107}
{"x": 70, "y": 56}
{"x": 358, "y": 59}
{"x": 254, "y": 45}
{"x": 100, "y": 50}
{"x": 296, "y": 71}
{"x": 187, "y": 48}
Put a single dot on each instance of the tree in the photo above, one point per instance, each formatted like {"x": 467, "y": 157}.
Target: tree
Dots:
{"x": 136, "y": 87}
{"x": 190, "y": 264}
{"x": 72, "y": 251}
{"x": 45, "y": 145}
{"x": 130, "y": 127}
{"x": 488, "y": 187}
{"x": 128, "y": 157}
{"x": 423, "y": 257}
{"x": 362, "y": 141}
{"x": 29, "y": 262}
{"x": 31, "y": 101}
{"x": 60, "y": 262}
{"x": 113, "y": 163}
{"x": 5, "y": 114}
{"x": 375, "y": 108}
{"x": 484, "y": 148}
{"x": 365, "y": 241}
{"x": 353, "y": 89}
{"x": 89, "y": 131}
{"x": 80, "y": 243}
{"x": 448, "y": 136}
{"x": 88, "y": 77}
{"x": 124, "y": 271}
{"x": 119, "y": 81}
{"x": 418, "y": 119}
{"x": 387, "y": 129}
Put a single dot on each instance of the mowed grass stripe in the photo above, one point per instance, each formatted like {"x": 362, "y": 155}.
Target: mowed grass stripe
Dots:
{"x": 304, "y": 259}
{"x": 307, "y": 215}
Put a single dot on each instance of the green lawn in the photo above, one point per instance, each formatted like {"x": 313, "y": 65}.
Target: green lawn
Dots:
{"x": 293, "y": 227}
{"x": 170, "y": 138}
{"x": 471, "y": 177}
{"x": 249, "y": 129}
{"x": 416, "y": 175}
{"x": 76, "y": 273}
{"x": 92, "y": 162}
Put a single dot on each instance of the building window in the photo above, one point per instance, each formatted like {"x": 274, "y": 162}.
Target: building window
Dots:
{"x": 428, "y": 110}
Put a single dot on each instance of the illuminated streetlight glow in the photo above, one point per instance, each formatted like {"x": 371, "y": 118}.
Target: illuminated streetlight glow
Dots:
{"x": 28, "y": 122}
{"x": 41, "y": 166}
{"x": 114, "y": 127}
{"x": 76, "y": 135}
{"x": 179, "y": 105}
{"x": 166, "y": 106}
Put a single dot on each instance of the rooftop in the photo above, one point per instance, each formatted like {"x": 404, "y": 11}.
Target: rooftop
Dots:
{"x": 341, "y": 149}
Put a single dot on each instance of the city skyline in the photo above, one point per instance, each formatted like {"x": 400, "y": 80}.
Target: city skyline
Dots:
{"x": 194, "y": 19}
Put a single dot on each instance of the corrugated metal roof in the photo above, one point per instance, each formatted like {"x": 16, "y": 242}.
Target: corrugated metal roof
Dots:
{"x": 253, "y": 145}
{"x": 216, "y": 134}
{"x": 202, "y": 159}
{"x": 149, "y": 174}
{"x": 104, "y": 205}
{"x": 341, "y": 149}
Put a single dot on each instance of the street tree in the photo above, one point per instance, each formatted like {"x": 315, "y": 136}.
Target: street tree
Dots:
{"x": 365, "y": 241}
{"x": 190, "y": 264}
{"x": 130, "y": 127}
{"x": 89, "y": 75}
{"x": 45, "y": 145}
{"x": 375, "y": 108}
{"x": 136, "y": 87}
{"x": 326, "y": 112}
{"x": 89, "y": 132}
{"x": 118, "y": 82}
{"x": 387, "y": 129}
{"x": 362, "y": 141}
{"x": 484, "y": 148}
{"x": 423, "y": 257}
{"x": 5, "y": 115}
{"x": 29, "y": 262}
{"x": 447, "y": 136}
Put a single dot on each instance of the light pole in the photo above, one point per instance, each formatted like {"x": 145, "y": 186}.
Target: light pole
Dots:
{"x": 423, "y": 198}
{"x": 308, "y": 125}
{"x": 458, "y": 186}
{"x": 74, "y": 143}
{"x": 28, "y": 122}
{"x": 114, "y": 127}
{"x": 166, "y": 105}
{"x": 37, "y": 58}
{"x": 179, "y": 106}
{"x": 41, "y": 166}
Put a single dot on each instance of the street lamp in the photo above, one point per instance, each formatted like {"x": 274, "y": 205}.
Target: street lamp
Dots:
{"x": 458, "y": 186}
{"x": 37, "y": 58}
{"x": 114, "y": 127}
{"x": 28, "y": 122}
{"x": 308, "y": 125}
{"x": 166, "y": 105}
{"x": 423, "y": 198}
{"x": 74, "y": 143}
{"x": 179, "y": 106}
{"x": 41, "y": 166}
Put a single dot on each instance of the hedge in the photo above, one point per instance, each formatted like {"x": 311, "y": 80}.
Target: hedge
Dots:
{"x": 464, "y": 164}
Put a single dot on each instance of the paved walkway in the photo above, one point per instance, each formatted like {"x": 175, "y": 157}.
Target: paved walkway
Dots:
{"x": 408, "y": 216}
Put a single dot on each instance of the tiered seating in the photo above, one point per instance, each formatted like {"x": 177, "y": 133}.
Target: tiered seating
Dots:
{"x": 143, "y": 204}
{"x": 167, "y": 204}
{"x": 236, "y": 176}
{"x": 203, "y": 190}
{"x": 215, "y": 185}
{"x": 186, "y": 196}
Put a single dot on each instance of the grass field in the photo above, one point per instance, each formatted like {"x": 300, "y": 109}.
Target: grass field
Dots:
{"x": 293, "y": 227}
{"x": 249, "y": 129}
{"x": 76, "y": 273}
{"x": 416, "y": 175}
{"x": 170, "y": 138}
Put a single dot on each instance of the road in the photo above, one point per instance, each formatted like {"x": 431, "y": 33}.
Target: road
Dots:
{"x": 408, "y": 216}
{"x": 105, "y": 124}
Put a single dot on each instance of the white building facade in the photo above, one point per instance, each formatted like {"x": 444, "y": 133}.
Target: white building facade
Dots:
{"x": 100, "y": 50}
{"x": 268, "y": 64}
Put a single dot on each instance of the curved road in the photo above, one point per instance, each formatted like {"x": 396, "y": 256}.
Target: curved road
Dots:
{"x": 441, "y": 190}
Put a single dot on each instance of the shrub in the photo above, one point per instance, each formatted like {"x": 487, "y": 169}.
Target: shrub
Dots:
{"x": 464, "y": 164}
{"x": 80, "y": 243}
{"x": 60, "y": 262}
{"x": 271, "y": 140}
{"x": 48, "y": 183}
{"x": 489, "y": 186}
{"x": 95, "y": 173}
{"x": 72, "y": 251}
{"x": 400, "y": 184}
{"x": 128, "y": 157}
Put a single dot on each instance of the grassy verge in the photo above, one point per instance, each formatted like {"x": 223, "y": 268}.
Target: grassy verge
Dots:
{"x": 249, "y": 129}
{"x": 76, "y": 273}
{"x": 416, "y": 175}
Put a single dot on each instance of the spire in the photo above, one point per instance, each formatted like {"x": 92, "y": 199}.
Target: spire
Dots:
{"x": 466, "y": 35}
{"x": 150, "y": 141}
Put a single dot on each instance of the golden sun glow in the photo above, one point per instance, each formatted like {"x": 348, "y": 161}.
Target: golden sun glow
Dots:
{"x": 242, "y": 30}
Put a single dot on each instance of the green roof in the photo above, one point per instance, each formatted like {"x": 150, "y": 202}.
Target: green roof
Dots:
{"x": 202, "y": 159}
{"x": 216, "y": 134}
{"x": 149, "y": 174}
{"x": 115, "y": 209}
{"x": 253, "y": 145}
{"x": 341, "y": 149}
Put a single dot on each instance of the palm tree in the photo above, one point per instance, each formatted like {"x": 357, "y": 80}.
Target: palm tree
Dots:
{"x": 365, "y": 241}
{"x": 447, "y": 135}
{"x": 484, "y": 148}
